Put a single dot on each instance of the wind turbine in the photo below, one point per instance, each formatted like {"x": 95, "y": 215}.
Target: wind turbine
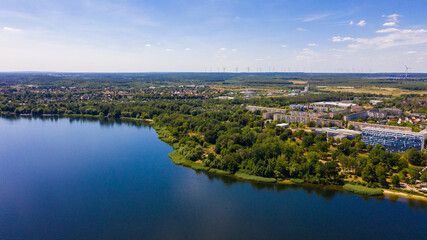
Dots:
{"x": 406, "y": 72}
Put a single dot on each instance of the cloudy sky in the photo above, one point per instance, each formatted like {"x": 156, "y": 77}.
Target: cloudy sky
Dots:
{"x": 211, "y": 35}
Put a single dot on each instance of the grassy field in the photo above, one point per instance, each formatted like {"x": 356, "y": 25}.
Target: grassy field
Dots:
{"x": 254, "y": 178}
{"x": 218, "y": 171}
{"x": 298, "y": 82}
{"x": 362, "y": 190}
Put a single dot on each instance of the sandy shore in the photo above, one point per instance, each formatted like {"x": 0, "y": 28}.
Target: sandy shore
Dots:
{"x": 405, "y": 195}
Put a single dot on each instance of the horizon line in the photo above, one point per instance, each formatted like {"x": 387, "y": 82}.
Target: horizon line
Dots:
{"x": 231, "y": 72}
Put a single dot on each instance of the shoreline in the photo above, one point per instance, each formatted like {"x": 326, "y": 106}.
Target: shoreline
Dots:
{"x": 388, "y": 193}
{"x": 177, "y": 160}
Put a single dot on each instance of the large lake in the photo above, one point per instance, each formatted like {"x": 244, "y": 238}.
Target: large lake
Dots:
{"x": 75, "y": 179}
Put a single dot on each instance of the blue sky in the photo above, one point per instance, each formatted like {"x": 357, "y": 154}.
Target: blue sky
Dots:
{"x": 212, "y": 35}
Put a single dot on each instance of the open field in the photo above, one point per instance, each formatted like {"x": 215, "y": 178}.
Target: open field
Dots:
{"x": 375, "y": 90}
{"x": 298, "y": 82}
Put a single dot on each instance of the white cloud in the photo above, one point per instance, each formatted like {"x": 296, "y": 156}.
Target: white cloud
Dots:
{"x": 301, "y": 29}
{"x": 223, "y": 49}
{"x": 316, "y": 17}
{"x": 283, "y": 45}
{"x": 168, "y": 50}
{"x": 11, "y": 29}
{"x": 234, "y": 50}
{"x": 341, "y": 39}
{"x": 411, "y": 52}
{"x": 392, "y": 17}
{"x": 187, "y": 49}
{"x": 389, "y": 24}
{"x": 312, "y": 44}
{"x": 388, "y": 30}
{"x": 403, "y": 31}
{"x": 308, "y": 55}
{"x": 259, "y": 59}
{"x": 393, "y": 37}
{"x": 391, "y": 20}
{"x": 361, "y": 23}
{"x": 351, "y": 23}
{"x": 148, "y": 45}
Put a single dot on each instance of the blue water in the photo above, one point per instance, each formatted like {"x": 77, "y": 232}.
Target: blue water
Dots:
{"x": 75, "y": 179}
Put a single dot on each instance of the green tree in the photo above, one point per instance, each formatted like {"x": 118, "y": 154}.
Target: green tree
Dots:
{"x": 423, "y": 177}
{"x": 368, "y": 174}
{"x": 415, "y": 175}
{"x": 286, "y": 135}
{"x": 395, "y": 180}
{"x": 381, "y": 174}
{"x": 211, "y": 136}
{"x": 308, "y": 140}
{"x": 415, "y": 157}
{"x": 345, "y": 147}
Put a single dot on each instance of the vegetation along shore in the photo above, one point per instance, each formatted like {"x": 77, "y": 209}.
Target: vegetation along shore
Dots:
{"x": 207, "y": 120}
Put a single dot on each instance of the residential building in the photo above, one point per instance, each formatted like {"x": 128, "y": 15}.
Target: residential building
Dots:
{"x": 337, "y": 113}
{"x": 298, "y": 106}
{"x": 334, "y": 104}
{"x": 391, "y": 111}
{"x": 356, "y": 108}
{"x": 305, "y": 120}
{"x": 268, "y": 115}
{"x": 394, "y": 140}
{"x": 319, "y": 109}
{"x": 338, "y": 133}
{"x": 377, "y": 114}
{"x": 307, "y": 114}
{"x": 362, "y": 125}
{"x": 271, "y": 110}
{"x": 353, "y": 116}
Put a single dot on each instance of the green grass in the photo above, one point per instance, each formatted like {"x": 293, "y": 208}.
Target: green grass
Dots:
{"x": 254, "y": 178}
{"x": 363, "y": 190}
{"x": 178, "y": 159}
{"x": 131, "y": 118}
{"x": 83, "y": 115}
{"x": 219, "y": 171}
{"x": 297, "y": 180}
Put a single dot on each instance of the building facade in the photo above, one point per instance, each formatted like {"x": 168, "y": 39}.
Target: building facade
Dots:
{"x": 305, "y": 120}
{"x": 391, "y": 111}
{"x": 338, "y": 133}
{"x": 270, "y": 110}
{"x": 307, "y": 114}
{"x": 392, "y": 140}
{"x": 377, "y": 114}
{"x": 362, "y": 125}
{"x": 355, "y": 116}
